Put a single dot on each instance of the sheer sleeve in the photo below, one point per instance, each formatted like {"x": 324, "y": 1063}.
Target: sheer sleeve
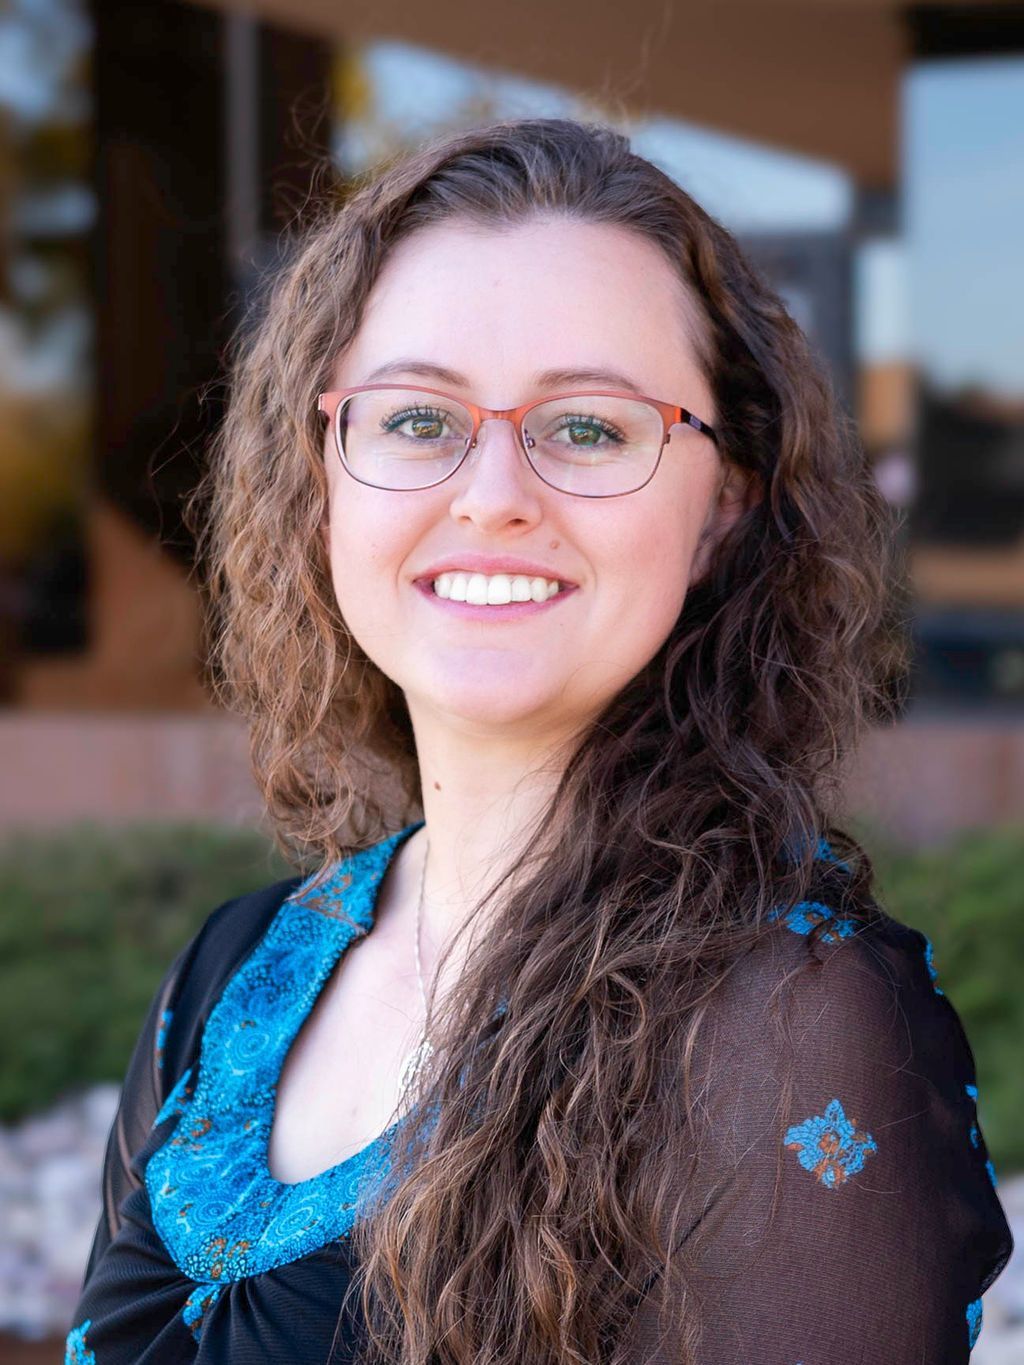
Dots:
{"x": 844, "y": 1211}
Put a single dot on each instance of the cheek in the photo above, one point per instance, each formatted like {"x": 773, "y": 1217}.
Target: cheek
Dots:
{"x": 367, "y": 541}
{"x": 656, "y": 592}
{"x": 649, "y": 557}
{"x": 654, "y": 558}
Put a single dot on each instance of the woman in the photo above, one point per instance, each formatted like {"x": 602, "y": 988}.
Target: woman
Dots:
{"x": 534, "y": 522}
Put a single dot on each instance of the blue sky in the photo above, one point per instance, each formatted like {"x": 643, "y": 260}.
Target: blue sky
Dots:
{"x": 963, "y": 161}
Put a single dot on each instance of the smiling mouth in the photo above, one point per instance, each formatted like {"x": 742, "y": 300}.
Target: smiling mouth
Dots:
{"x": 495, "y": 590}
{"x": 486, "y": 598}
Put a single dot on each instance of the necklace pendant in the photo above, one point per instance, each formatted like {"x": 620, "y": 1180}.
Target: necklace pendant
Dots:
{"x": 417, "y": 1059}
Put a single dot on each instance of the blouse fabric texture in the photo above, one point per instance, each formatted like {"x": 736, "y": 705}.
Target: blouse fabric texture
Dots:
{"x": 857, "y": 1223}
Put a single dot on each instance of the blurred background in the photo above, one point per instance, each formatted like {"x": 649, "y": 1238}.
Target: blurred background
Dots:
{"x": 154, "y": 158}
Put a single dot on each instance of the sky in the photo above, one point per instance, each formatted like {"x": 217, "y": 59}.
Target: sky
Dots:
{"x": 963, "y": 167}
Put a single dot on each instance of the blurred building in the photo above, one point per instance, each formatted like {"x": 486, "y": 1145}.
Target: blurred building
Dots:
{"x": 153, "y": 158}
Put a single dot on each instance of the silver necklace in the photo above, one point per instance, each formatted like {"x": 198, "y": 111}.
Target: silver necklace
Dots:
{"x": 424, "y": 1050}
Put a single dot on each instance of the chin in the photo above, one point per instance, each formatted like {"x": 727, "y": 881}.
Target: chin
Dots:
{"x": 504, "y": 703}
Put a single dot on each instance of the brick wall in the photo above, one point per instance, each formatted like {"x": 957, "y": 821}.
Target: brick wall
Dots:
{"x": 923, "y": 779}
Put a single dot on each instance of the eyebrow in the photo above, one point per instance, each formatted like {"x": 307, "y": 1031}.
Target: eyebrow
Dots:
{"x": 543, "y": 379}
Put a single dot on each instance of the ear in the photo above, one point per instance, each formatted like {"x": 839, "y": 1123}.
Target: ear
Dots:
{"x": 739, "y": 490}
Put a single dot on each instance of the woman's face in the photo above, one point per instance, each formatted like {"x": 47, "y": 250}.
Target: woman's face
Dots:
{"x": 495, "y": 308}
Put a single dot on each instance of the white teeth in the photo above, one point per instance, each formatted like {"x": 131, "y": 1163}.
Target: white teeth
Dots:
{"x": 493, "y": 590}
{"x": 476, "y": 590}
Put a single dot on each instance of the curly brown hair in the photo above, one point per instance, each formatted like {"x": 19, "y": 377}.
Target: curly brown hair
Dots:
{"x": 527, "y": 1216}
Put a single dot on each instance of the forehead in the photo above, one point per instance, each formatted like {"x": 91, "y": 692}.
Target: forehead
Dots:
{"x": 499, "y": 303}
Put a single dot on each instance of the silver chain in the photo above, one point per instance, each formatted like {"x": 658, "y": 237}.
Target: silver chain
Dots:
{"x": 419, "y": 920}
{"x": 424, "y": 1049}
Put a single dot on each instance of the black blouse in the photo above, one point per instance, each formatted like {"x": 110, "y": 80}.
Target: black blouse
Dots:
{"x": 866, "y": 1230}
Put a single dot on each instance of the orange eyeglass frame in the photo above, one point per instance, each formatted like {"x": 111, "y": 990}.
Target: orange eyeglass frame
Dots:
{"x": 671, "y": 414}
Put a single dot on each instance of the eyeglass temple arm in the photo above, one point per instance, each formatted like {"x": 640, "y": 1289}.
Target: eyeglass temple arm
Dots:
{"x": 686, "y": 417}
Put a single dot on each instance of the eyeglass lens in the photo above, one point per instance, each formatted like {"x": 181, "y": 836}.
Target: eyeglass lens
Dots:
{"x": 588, "y": 444}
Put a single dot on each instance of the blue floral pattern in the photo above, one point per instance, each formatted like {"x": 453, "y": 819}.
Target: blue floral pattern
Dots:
{"x": 197, "y": 1305}
{"x": 822, "y": 850}
{"x": 974, "y": 1309}
{"x": 219, "y": 1211}
{"x": 974, "y": 1133}
{"x": 802, "y": 917}
{"x": 974, "y": 1318}
{"x": 75, "y": 1350}
{"x": 929, "y": 958}
{"x": 175, "y": 1101}
{"x": 830, "y": 1146}
{"x": 972, "y": 1091}
{"x": 806, "y": 914}
{"x": 161, "y": 1037}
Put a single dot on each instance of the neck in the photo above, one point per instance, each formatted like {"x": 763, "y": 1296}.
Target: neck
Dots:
{"x": 481, "y": 799}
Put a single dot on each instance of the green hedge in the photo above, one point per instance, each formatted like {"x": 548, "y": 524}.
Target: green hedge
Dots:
{"x": 92, "y": 918}
{"x": 968, "y": 897}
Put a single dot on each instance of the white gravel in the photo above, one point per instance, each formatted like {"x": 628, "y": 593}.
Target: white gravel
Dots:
{"x": 1002, "y": 1309}
{"x": 50, "y": 1201}
{"x": 49, "y": 1204}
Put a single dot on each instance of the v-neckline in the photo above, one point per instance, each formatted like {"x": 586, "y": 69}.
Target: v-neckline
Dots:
{"x": 214, "y": 1202}
{"x": 318, "y": 901}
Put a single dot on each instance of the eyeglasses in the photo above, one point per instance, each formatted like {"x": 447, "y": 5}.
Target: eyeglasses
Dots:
{"x": 595, "y": 445}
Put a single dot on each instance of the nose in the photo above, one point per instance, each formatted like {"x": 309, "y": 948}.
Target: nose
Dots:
{"x": 496, "y": 488}
{"x": 505, "y": 425}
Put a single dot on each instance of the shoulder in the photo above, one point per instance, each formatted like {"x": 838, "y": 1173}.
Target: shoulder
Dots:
{"x": 821, "y": 962}
{"x": 198, "y": 975}
{"x": 236, "y": 925}
{"x": 837, "y": 1128}
{"x": 877, "y": 984}
{"x": 851, "y": 1022}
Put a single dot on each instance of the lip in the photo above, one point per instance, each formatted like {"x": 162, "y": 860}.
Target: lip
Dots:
{"x": 491, "y": 564}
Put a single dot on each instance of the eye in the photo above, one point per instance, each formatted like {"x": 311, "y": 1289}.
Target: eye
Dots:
{"x": 421, "y": 423}
{"x": 586, "y": 431}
